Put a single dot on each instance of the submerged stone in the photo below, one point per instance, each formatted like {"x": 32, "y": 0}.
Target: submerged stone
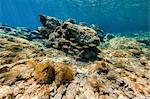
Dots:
{"x": 81, "y": 41}
{"x": 80, "y": 35}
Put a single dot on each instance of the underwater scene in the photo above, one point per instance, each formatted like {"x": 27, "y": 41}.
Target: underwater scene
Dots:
{"x": 74, "y": 49}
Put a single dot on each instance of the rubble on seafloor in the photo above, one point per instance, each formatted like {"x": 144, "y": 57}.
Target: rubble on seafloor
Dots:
{"x": 49, "y": 63}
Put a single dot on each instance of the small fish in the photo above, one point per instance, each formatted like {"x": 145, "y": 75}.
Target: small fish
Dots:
{"x": 65, "y": 46}
{"x": 72, "y": 39}
{"x": 92, "y": 45}
{"x": 75, "y": 50}
{"x": 85, "y": 46}
{"x": 78, "y": 47}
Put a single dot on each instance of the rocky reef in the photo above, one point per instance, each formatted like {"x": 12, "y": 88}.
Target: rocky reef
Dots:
{"x": 74, "y": 39}
{"x": 70, "y": 60}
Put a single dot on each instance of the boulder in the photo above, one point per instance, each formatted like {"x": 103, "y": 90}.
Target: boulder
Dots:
{"x": 77, "y": 40}
{"x": 74, "y": 39}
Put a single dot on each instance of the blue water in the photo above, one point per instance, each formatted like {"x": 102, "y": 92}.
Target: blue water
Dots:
{"x": 111, "y": 15}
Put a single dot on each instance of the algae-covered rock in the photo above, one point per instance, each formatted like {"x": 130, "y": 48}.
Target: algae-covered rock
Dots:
{"x": 74, "y": 39}
{"x": 71, "y": 38}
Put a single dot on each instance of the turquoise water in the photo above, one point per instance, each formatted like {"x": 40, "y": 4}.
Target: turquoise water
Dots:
{"x": 111, "y": 15}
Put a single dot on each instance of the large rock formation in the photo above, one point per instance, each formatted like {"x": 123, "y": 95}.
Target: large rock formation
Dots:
{"x": 73, "y": 39}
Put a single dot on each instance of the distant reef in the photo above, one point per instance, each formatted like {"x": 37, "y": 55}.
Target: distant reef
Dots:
{"x": 71, "y": 60}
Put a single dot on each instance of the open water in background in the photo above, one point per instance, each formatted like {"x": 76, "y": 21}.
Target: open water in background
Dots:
{"x": 112, "y": 16}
